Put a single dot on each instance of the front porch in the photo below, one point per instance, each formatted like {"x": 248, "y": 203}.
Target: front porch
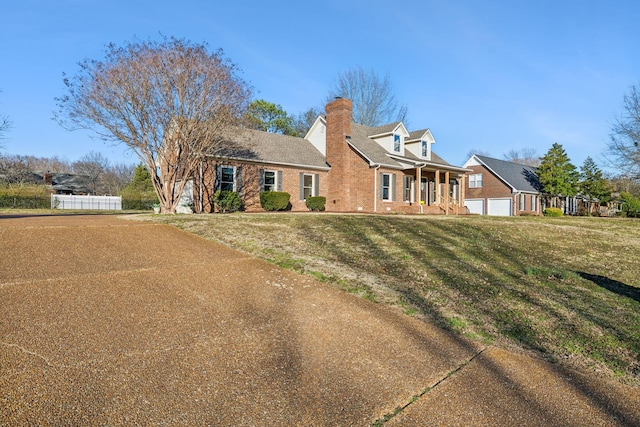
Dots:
{"x": 434, "y": 191}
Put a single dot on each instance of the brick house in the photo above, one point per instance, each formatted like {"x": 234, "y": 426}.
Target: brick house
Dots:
{"x": 498, "y": 187}
{"x": 357, "y": 168}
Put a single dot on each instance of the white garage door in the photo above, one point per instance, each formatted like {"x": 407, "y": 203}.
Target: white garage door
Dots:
{"x": 499, "y": 207}
{"x": 475, "y": 206}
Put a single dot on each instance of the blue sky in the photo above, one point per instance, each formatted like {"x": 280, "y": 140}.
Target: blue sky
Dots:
{"x": 488, "y": 75}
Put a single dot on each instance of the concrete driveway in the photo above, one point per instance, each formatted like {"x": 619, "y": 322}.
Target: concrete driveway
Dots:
{"x": 105, "y": 321}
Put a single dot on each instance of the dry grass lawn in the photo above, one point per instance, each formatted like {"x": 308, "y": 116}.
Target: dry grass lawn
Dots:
{"x": 568, "y": 288}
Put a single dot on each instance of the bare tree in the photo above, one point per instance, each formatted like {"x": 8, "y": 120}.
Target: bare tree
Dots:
{"x": 15, "y": 170}
{"x": 303, "y": 121}
{"x": 624, "y": 147}
{"x": 170, "y": 102}
{"x": 475, "y": 151}
{"x": 373, "y": 101}
{"x": 116, "y": 178}
{"x": 5, "y": 125}
{"x": 525, "y": 156}
{"x": 94, "y": 166}
{"x": 49, "y": 164}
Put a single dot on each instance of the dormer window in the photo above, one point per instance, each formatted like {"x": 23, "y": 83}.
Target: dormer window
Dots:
{"x": 396, "y": 143}
{"x": 424, "y": 151}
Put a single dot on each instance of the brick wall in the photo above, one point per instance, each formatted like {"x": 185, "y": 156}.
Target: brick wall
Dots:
{"x": 493, "y": 187}
{"x": 251, "y": 185}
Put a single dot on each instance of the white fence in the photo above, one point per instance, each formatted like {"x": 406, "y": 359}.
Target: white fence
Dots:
{"x": 107, "y": 203}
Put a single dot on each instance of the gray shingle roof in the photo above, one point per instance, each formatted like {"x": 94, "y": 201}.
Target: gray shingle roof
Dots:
{"x": 520, "y": 177}
{"x": 378, "y": 155}
{"x": 265, "y": 147}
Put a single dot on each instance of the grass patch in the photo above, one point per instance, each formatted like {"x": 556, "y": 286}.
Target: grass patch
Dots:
{"x": 566, "y": 287}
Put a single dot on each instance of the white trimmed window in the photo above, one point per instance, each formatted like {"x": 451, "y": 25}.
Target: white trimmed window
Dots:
{"x": 475, "y": 180}
{"x": 227, "y": 178}
{"x": 387, "y": 187}
{"x": 396, "y": 143}
{"x": 270, "y": 180}
{"x": 522, "y": 202}
{"x": 534, "y": 202}
{"x": 309, "y": 185}
{"x": 424, "y": 151}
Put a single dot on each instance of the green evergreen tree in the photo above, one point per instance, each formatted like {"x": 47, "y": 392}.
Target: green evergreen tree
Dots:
{"x": 269, "y": 117}
{"x": 141, "y": 180}
{"x": 557, "y": 176}
{"x": 592, "y": 182}
{"x": 139, "y": 193}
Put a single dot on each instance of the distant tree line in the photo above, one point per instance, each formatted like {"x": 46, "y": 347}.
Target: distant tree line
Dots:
{"x": 104, "y": 178}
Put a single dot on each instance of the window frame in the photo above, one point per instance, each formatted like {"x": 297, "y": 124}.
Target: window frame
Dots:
{"x": 474, "y": 182}
{"x": 224, "y": 183}
{"x": 274, "y": 185}
{"x": 424, "y": 148}
{"x": 386, "y": 190}
{"x": 397, "y": 143}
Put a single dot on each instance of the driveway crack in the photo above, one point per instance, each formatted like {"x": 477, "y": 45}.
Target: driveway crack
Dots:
{"x": 399, "y": 409}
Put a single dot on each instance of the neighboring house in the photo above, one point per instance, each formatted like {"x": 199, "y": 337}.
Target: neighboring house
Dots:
{"x": 498, "y": 187}
{"x": 357, "y": 168}
{"x": 66, "y": 183}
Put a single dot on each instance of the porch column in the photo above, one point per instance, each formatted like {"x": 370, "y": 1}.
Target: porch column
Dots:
{"x": 437, "y": 183}
{"x": 418, "y": 180}
{"x": 446, "y": 192}
{"x": 463, "y": 184}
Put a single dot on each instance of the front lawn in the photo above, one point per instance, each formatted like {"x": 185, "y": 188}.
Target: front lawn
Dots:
{"x": 568, "y": 288}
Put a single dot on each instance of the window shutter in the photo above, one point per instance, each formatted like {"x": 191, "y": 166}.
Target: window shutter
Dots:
{"x": 261, "y": 173}
{"x": 279, "y": 181}
{"x": 381, "y": 182}
{"x": 238, "y": 179}
{"x": 301, "y": 186}
{"x": 393, "y": 187}
{"x": 316, "y": 184}
{"x": 217, "y": 180}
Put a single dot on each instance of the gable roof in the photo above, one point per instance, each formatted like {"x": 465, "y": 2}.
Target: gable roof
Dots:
{"x": 376, "y": 155}
{"x": 272, "y": 148}
{"x": 519, "y": 177}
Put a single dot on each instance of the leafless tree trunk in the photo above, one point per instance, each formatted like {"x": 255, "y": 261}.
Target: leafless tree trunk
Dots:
{"x": 624, "y": 147}
{"x": 170, "y": 102}
{"x": 373, "y": 101}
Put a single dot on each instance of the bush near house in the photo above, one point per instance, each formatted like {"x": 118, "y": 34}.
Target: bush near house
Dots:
{"x": 631, "y": 205}
{"x": 227, "y": 201}
{"x": 553, "y": 212}
{"x": 275, "y": 200}
{"x": 317, "y": 203}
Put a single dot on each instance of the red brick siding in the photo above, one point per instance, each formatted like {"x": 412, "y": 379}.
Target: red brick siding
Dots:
{"x": 250, "y": 192}
{"x": 493, "y": 187}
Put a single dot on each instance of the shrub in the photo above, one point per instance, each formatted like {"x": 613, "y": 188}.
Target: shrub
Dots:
{"x": 275, "y": 200}
{"x": 227, "y": 201}
{"x": 316, "y": 203}
{"x": 553, "y": 212}
{"x": 25, "y": 196}
{"x": 631, "y": 205}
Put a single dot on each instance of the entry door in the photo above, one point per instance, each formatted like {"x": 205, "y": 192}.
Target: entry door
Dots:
{"x": 424, "y": 190}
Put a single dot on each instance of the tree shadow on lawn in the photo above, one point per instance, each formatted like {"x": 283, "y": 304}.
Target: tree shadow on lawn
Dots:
{"x": 612, "y": 285}
{"x": 454, "y": 254}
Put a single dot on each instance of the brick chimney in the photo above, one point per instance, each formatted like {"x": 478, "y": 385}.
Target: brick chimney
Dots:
{"x": 338, "y": 154}
{"x": 48, "y": 179}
